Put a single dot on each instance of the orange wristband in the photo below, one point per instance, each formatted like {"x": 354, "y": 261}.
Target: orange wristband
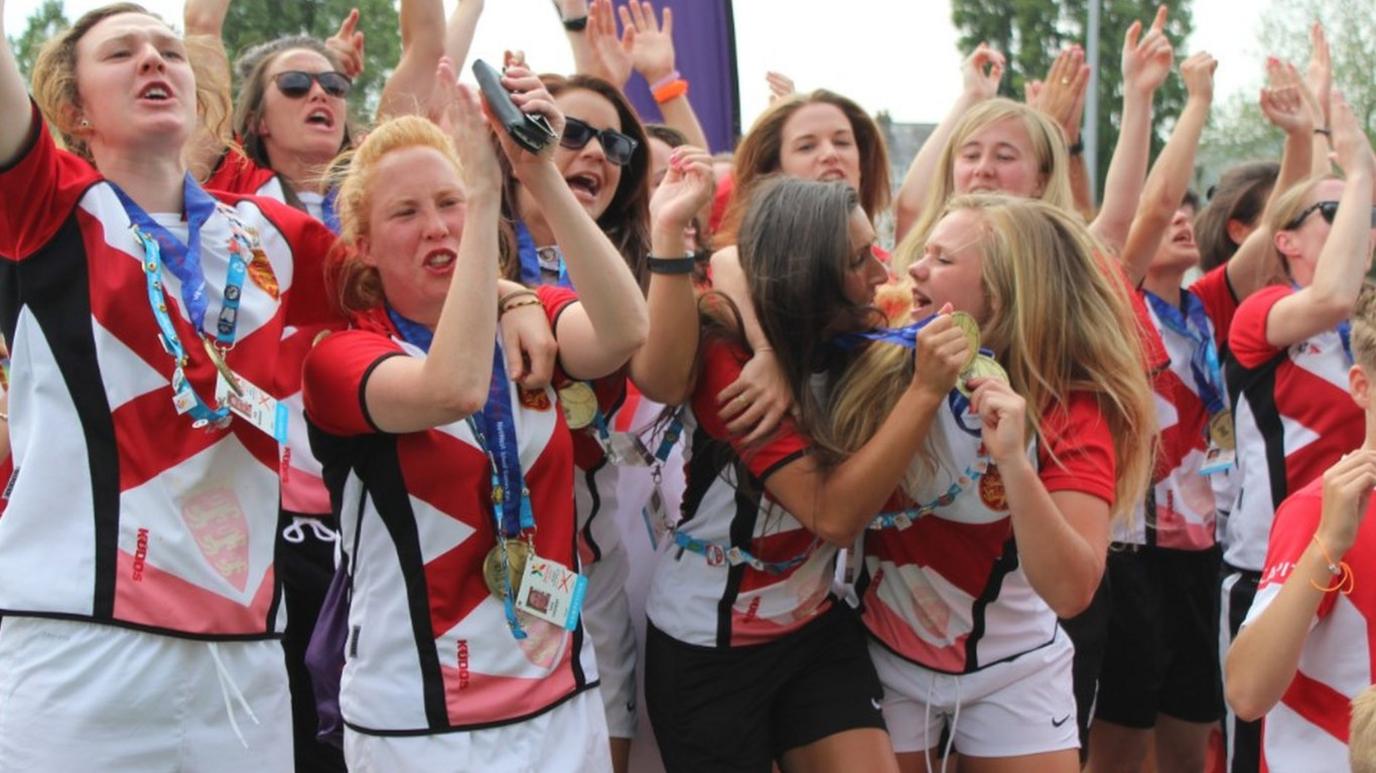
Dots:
{"x": 671, "y": 91}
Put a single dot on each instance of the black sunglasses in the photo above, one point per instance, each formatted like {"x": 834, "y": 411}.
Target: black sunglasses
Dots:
{"x": 295, "y": 84}
{"x": 1328, "y": 209}
{"x": 618, "y": 147}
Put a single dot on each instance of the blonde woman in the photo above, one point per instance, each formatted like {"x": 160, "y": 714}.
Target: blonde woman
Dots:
{"x": 1002, "y": 524}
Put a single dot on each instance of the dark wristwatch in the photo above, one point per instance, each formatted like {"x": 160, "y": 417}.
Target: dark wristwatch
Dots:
{"x": 1077, "y": 148}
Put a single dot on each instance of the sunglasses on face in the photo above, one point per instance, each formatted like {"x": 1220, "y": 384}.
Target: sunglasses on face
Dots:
{"x": 1327, "y": 209}
{"x": 618, "y": 147}
{"x": 295, "y": 84}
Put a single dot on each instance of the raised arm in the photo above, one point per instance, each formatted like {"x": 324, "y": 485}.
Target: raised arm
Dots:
{"x": 1146, "y": 63}
{"x": 837, "y": 504}
{"x": 459, "y": 32}
{"x": 601, "y": 333}
{"x": 422, "y": 44}
{"x": 1170, "y": 175}
{"x": 1318, "y": 78}
{"x": 663, "y": 368}
{"x": 574, "y": 15}
{"x": 1253, "y": 266}
{"x": 16, "y": 117}
{"x": 204, "y": 21}
{"x": 982, "y": 71}
{"x": 1062, "y": 97}
{"x": 406, "y": 394}
{"x": 653, "y": 56}
{"x": 1265, "y": 656}
{"x": 1346, "y": 254}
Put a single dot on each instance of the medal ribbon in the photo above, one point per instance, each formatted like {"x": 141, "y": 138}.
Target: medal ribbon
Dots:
{"x": 184, "y": 261}
{"x": 328, "y": 212}
{"x": 512, "y": 515}
{"x": 716, "y": 554}
{"x": 532, "y": 270}
{"x": 902, "y": 519}
{"x": 1193, "y": 324}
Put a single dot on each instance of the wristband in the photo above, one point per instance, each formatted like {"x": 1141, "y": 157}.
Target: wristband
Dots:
{"x": 683, "y": 265}
{"x": 1340, "y": 569}
{"x": 1077, "y": 148}
{"x": 671, "y": 91}
{"x": 501, "y": 300}
{"x": 1324, "y": 132}
{"x": 665, "y": 81}
{"x": 576, "y": 25}
{"x": 516, "y": 305}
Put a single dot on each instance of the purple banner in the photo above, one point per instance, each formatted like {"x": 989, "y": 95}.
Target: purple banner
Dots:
{"x": 705, "y": 46}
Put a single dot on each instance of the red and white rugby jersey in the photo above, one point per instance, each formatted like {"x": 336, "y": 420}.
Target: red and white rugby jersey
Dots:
{"x": 948, "y": 592}
{"x": 120, "y": 511}
{"x": 1307, "y": 730}
{"x": 703, "y": 599}
{"x": 429, "y": 647}
{"x": 303, "y": 490}
{"x": 1293, "y": 416}
{"x": 1183, "y": 515}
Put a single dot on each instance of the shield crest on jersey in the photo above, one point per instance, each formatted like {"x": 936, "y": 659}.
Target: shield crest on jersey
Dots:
{"x": 218, "y": 524}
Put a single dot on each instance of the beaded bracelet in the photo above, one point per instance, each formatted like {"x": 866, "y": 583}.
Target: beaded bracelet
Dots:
{"x": 516, "y": 305}
{"x": 1339, "y": 569}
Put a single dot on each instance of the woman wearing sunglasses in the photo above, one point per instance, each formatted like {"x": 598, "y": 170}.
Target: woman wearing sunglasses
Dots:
{"x": 603, "y": 157}
{"x": 1290, "y": 351}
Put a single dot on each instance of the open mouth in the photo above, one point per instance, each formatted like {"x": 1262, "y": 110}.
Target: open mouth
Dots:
{"x": 321, "y": 117}
{"x": 587, "y": 185}
{"x": 832, "y": 175}
{"x": 1184, "y": 239}
{"x": 440, "y": 260}
{"x": 921, "y": 305}
{"x": 156, "y": 92}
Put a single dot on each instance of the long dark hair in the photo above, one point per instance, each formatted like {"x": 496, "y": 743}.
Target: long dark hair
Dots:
{"x": 1239, "y": 195}
{"x": 627, "y": 219}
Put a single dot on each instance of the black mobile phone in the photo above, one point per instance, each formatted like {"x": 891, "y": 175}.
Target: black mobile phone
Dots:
{"x": 531, "y": 132}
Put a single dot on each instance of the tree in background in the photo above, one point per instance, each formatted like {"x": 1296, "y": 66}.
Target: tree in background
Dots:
{"x": 43, "y": 25}
{"x": 1031, "y": 32}
{"x": 1239, "y": 132}
{"x": 251, "y": 22}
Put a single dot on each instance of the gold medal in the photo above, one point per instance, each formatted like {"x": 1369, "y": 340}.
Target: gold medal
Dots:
{"x": 517, "y": 551}
{"x": 1221, "y": 430}
{"x": 970, "y": 328}
{"x": 579, "y": 403}
{"x": 984, "y": 366}
{"x": 217, "y": 359}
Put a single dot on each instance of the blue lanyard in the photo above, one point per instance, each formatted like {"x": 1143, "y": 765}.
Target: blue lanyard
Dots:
{"x": 1193, "y": 324}
{"x": 512, "y": 515}
{"x": 671, "y": 435}
{"x": 716, "y": 554}
{"x": 529, "y": 255}
{"x": 328, "y": 213}
{"x": 184, "y": 261}
{"x": 902, "y": 519}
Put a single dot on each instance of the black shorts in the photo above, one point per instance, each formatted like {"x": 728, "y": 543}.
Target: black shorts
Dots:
{"x": 1162, "y": 654}
{"x": 740, "y": 709}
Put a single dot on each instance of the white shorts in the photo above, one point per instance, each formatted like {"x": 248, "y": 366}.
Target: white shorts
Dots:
{"x": 570, "y": 737}
{"x": 79, "y": 695}
{"x": 607, "y": 618}
{"x": 1024, "y": 706}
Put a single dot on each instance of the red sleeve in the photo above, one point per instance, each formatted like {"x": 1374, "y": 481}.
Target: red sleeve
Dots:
{"x": 1077, "y": 435}
{"x": 1297, "y": 520}
{"x": 721, "y": 365}
{"x": 555, "y": 299}
{"x": 1220, "y": 302}
{"x": 237, "y": 173}
{"x": 335, "y": 375}
{"x": 40, "y": 190}
{"x": 1247, "y": 335}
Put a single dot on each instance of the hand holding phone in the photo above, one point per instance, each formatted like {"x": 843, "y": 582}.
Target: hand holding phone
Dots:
{"x": 531, "y": 132}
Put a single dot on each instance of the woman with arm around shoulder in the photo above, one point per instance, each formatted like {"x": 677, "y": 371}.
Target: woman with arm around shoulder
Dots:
{"x": 452, "y": 479}
{"x": 1004, "y": 517}
{"x": 749, "y": 661}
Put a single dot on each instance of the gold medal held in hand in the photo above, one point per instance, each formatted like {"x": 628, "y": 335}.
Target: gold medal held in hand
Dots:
{"x": 1221, "y": 430}
{"x": 984, "y": 366}
{"x": 517, "y": 551}
{"x": 579, "y": 404}
{"x": 970, "y": 328}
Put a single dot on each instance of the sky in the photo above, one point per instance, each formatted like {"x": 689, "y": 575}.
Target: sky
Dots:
{"x": 895, "y": 55}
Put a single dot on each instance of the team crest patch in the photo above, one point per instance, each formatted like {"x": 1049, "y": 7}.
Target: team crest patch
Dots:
{"x": 535, "y": 399}
{"x": 991, "y": 491}
{"x": 217, "y": 522}
{"x": 259, "y": 267}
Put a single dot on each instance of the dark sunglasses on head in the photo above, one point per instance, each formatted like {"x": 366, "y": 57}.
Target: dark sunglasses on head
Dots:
{"x": 296, "y": 83}
{"x": 1328, "y": 209}
{"x": 618, "y": 147}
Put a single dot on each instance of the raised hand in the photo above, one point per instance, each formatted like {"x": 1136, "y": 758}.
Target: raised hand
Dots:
{"x": 1283, "y": 100}
{"x": 687, "y": 187}
{"x": 347, "y": 44}
{"x": 612, "y": 55}
{"x": 1062, "y": 95}
{"x": 1198, "y": 73}
{"x": 651, "y": 42}
{"x": 1147, "y": 62}
{"x": 1347, "y": 489}
{"x": 529, "y": 94}
{"x": 780, "y": 85}
{"x": 1318, "y": 75}
{"x": 1351, "y": 148}
{"x": 982, "y": 71}
{"x": 461, "y": 116}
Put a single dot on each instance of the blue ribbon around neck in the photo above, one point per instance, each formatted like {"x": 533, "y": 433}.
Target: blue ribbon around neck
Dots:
{"x": 1193, "y": 324}
{"x": 329, "y": 214}
{"x": 532, "y": 273}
